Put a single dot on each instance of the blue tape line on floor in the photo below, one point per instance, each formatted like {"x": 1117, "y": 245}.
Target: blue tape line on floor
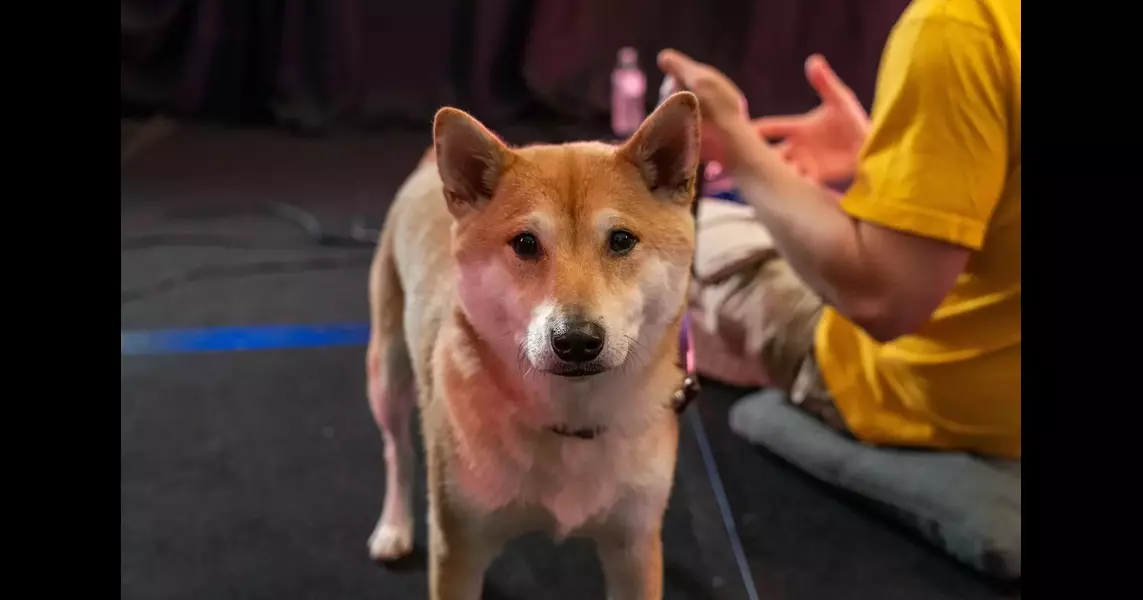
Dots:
{"x": 230, "y": 339}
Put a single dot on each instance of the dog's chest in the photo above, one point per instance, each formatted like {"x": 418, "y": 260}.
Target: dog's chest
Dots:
{"x": 572, "y": 482}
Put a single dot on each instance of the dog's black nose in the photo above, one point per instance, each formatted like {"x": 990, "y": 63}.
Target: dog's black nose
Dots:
{"x": 578, "y": 341}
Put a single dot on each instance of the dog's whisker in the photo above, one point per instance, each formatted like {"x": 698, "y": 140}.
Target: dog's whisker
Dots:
{"x": 523, "y": 364}
{"x": 636, "y": 352}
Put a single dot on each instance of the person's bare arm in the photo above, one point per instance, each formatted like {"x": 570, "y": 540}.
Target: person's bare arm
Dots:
{"x": 885, "y": 281}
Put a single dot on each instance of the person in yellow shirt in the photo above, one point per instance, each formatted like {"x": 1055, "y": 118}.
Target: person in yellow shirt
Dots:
{"x": 913, "y": 274}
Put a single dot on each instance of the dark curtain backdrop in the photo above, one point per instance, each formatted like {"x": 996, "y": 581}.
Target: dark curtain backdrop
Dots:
{"x": 321, "y": 63}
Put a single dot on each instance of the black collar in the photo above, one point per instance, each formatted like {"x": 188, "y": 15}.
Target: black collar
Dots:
{"x": 587, "y": 433}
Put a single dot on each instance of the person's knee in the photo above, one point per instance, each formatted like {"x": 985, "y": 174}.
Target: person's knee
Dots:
{"x": 789, "y": 312}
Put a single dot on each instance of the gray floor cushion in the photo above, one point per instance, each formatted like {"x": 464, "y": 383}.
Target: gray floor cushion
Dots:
{"x": 967, "y": 506}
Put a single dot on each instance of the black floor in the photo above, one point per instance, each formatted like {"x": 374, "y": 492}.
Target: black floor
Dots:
{"x": 258, "y": 474}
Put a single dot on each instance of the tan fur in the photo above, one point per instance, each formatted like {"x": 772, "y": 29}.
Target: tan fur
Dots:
{"x": 463, "y": 322}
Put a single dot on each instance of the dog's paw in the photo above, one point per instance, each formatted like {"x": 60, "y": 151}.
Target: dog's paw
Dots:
{"x": 390, "y": 542}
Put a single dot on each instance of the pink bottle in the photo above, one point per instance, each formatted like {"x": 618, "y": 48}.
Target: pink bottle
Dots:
{"x": 628, "y": 94}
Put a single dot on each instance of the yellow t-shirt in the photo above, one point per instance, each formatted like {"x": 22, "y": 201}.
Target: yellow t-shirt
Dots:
{"x": 942, "y": 161}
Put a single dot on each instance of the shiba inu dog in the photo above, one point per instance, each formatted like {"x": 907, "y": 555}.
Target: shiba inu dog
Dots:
{"x": 529, "y": 302}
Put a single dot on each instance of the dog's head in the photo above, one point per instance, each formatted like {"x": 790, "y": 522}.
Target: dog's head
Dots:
{"x": 578, "y": 254}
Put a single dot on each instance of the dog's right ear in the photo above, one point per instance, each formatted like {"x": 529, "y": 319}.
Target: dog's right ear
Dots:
{"x": 665, "y": 148}
{"x": 470, "y": 159}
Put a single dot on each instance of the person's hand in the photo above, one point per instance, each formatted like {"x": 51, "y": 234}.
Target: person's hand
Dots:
{"x": 723, "y": 104}
{"x": 822, "y": 144}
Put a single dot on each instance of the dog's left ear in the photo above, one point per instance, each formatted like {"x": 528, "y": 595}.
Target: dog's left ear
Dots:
{"x": 666, "y": 147}
{"x": 470, "y": 159}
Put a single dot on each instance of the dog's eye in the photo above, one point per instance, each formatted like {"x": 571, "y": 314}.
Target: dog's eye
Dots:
{"x": 526, "y": 246}
{"x": 622, "y": 242}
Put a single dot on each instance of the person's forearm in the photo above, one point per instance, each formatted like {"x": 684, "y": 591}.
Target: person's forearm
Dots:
{"x": 821, "y": 242}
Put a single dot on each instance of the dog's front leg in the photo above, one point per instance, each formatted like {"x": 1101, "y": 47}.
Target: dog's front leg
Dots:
{"x": 458, "y": 560}
{"x": 632, "y": 564}
{"x": 461, "y": 545}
